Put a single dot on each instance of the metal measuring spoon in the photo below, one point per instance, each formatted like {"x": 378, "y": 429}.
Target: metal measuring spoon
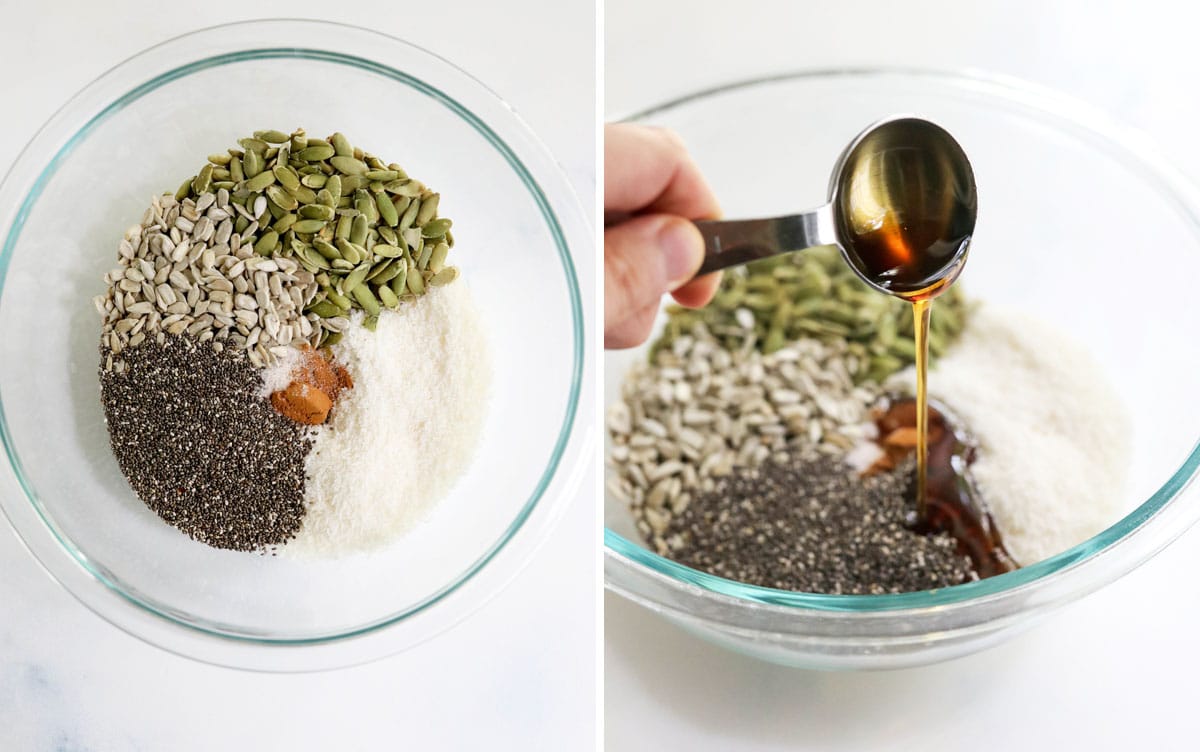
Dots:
{"x": 902, "y": 208}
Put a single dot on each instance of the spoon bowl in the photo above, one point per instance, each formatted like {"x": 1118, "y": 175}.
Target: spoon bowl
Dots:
{"x": 902, "y": 208}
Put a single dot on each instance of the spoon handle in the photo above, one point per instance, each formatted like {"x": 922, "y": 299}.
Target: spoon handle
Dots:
{"x": 740, "y": 241}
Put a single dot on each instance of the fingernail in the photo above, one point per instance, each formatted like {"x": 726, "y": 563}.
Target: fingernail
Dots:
{"x": 683, "y": 249}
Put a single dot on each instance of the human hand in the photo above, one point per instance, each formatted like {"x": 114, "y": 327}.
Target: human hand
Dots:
{"x": 651, "y": 189}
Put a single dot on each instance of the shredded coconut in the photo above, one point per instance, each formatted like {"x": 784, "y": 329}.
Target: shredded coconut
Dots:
{"x": 402, "y": 436}
{"x": 1054, "y": 436}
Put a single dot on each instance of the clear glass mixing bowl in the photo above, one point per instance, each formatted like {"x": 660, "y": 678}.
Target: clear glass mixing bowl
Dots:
{"x": 143, "y": 127}
{"x": 1078, "y": 222}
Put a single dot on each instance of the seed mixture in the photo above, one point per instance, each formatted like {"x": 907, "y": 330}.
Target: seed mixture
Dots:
{"x": 747, "y": 446}
{"x": 220, "y": 363}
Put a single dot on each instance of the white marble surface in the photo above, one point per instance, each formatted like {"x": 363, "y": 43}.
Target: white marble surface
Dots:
{"x": 520, "y": 673}
{"x": 1111, "y": 672}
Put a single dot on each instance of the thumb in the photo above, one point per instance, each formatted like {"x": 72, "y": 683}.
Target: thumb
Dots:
{"x": 644, "y": 258}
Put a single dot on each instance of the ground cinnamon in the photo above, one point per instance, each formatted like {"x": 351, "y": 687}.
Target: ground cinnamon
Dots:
{"x": 316, "y": 383}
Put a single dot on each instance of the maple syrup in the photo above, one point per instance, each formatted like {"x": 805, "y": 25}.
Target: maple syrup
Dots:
{"x": 904, "y": 215}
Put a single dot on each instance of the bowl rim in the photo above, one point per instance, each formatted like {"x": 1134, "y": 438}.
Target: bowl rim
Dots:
{"x": 1132, "y": 531}
{"x": 566, "y": 453}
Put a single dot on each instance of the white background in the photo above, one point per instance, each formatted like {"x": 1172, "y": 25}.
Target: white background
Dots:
{"x": 1114, "y": 671}
{"x": 520, "y": 673}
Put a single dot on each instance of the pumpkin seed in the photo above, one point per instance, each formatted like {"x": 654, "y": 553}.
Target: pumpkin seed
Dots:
{"x": 325, "y": 309}
{"x": 387, "y": 251}
{"x": 341, "y": 263}
{"x": 410, "y": 215}
{"x": 282, "y": 198}
{"x": 416, "y": 283}
{"x": 399, "y": 283}
{"x": 339, "y": 300}
{"x": 438, "y": 258}
{"x": 341, "y": 145}
{"x": 444, "y": 277}
{"x": 272, "y": 137}
{"x": 203, "y": 180}
{"x": 316, "y": 153}
{"x": 284, "y": 223}
{"x": 429, "y": 207}
{"x": 235, "y": 170}
{"x": 360, "y": 226}
{"x": 362, "y": 293}
{"x": 286, "y": 176}
{"x": 266, "y": 243}
{"x": 381, "y": 175}
{"x": 182, "y": 192}
{"x": 317, "y": 211}
{"x": 436, "y": 228}
{"x": 334, "y": 185}
{"x": 259, "y": 182}
{"x": 386, "y": 296}
{"x": 349, "y": 165}
{"x": 387, "y": 211}
{"x": 256, "y": 145}
{"x": 308, "y": 226}
{"x": 252, "y": 164}
{"x": 325, "y": 198}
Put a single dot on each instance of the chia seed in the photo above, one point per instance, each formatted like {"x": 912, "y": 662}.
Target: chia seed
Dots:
{"x": 811, "y": 524}
{"x": 201, "y": 448}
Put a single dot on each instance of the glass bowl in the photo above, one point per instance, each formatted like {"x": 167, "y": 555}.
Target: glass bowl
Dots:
{"x": 1053, "y": 179}
{"x": 140, "y": 129}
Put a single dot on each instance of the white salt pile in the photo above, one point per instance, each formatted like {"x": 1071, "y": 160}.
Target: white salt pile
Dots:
{"x": 399, "y": 439}
{"x": 1054, "y": 436}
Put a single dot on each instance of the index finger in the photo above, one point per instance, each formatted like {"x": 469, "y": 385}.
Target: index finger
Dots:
{"x": 649, "y": 169}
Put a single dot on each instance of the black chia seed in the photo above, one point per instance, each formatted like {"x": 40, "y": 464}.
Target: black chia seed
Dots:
{"x": 811, "y": 524}
{"x": 201, "y": 448}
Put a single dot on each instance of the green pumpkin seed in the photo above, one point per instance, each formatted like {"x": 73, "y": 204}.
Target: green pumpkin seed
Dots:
{"x": 410, "y": 215}
{"x": 272, "y": 137}
{"x": 256, "y": 145}
{"x": 341, "y": 301}
{"x": 416, "y": 283}
{"x": 341, "y": 145}
{"x": 252, "y": 164}
{"x": 436, "y": 229}
{"x": 284, "y": 223}
{"x": 314, "y": 181}
{"x": 387, "y": 211}
{"x": 316, "y": 153}
{"x": 308, "y": 226}
{"x": 317, "y": 211}
{"x": 351, "y": 183}
{"x": 387, "y": 271}
{"x": 359, "y": 229}
{"x": 349, "y": 165}
{"x": 334, "y": 185}
{"x": 203, "y": 179}
{"x": 326, "y": 249}
{"x": 352, "y": 252}
{"x": 220, "y": 159}
{"x": 444, "y": 277}
{"x": 429, "y": 207}
{"x": 304, "y": 194}
{"x": 344, "y": 225}
{"x": 381, "y": 175}
{"x": 387, "y": 251}
{"x": 370, "y": 322}
{"x": 282, "y": 198}
{"x": 341, "y": 263}
{"x": 388, "y": 235}
{"x": 184, "y": 189}
{"x": 325, "y": 309}
{"x": 438, "y": 258}
{"x": 287, "y": 177}
{"x": 235, "y": 170}
{"x": 266, "y": 243}
{"x": 259, "y": 182}
{"x": 399, "y": 283}
{"x": 423, "y": 257}
{"x": 366, "y": 299}
{"x": 404, "y": 187}
{"x": 330, "y": 339}
{"x": 313, "y": 259}
{"x": 325, "y": 198}
{"x": 386, "y": 296}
